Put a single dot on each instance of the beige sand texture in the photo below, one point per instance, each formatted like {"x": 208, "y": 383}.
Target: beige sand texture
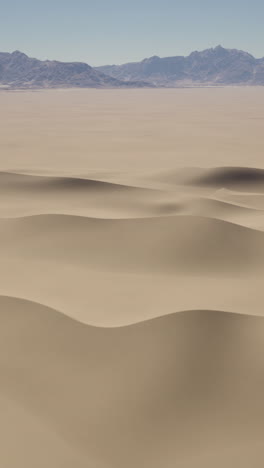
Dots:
{"x": 132, "y": 265}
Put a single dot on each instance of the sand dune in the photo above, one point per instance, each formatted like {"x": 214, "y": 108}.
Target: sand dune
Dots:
{"x": 232, "y": 177}
{"x": 148, "y": 250}
{"x": 131, "y": 279}
{"x": 138, "y": 395}
{"x": 26, "y": 182}
{"x": 165, "y": 244}
{"x": 248, "y": 200}
{"x": 23, "y": 194}
{"x": 226, "y": 211}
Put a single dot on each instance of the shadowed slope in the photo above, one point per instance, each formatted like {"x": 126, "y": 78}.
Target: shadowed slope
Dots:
{"x": 11, "y": 181}
{"x": 232, "y": 178}
{"x": 239, "y": 178}
{"x": 23, "y": 194}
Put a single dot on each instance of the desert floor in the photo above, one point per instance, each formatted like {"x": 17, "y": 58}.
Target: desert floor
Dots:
{"x": 132, "y": 278}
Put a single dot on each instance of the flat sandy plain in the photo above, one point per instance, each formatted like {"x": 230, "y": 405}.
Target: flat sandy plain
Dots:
{"x": 131, "y": 287}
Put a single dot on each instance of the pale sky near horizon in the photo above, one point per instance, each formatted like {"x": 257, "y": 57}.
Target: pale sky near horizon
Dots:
{"x": 117, "y": 31}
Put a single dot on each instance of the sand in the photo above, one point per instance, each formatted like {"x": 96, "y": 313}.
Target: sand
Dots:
{"x": 131, "y": 292}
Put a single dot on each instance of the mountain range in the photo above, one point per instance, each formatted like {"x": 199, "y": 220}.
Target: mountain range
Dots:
{"x": 211, "y": 67}
{"x": 17, "y": 70}
{"x": 215, "y": 66}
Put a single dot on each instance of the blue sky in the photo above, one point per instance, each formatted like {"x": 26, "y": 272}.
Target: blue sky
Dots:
{"x": 116, "y": 31}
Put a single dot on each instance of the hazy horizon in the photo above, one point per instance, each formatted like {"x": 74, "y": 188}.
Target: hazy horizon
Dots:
{"x": 101, "y": 34}
{"x": 127, "y": 61}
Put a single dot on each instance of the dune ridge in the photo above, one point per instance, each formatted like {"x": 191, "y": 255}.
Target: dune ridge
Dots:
{"x": 25, "y": 195}
{"x": 184, "y": 243}
{"x": 12, "y": 180}
{"x": 151, "y": 252}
